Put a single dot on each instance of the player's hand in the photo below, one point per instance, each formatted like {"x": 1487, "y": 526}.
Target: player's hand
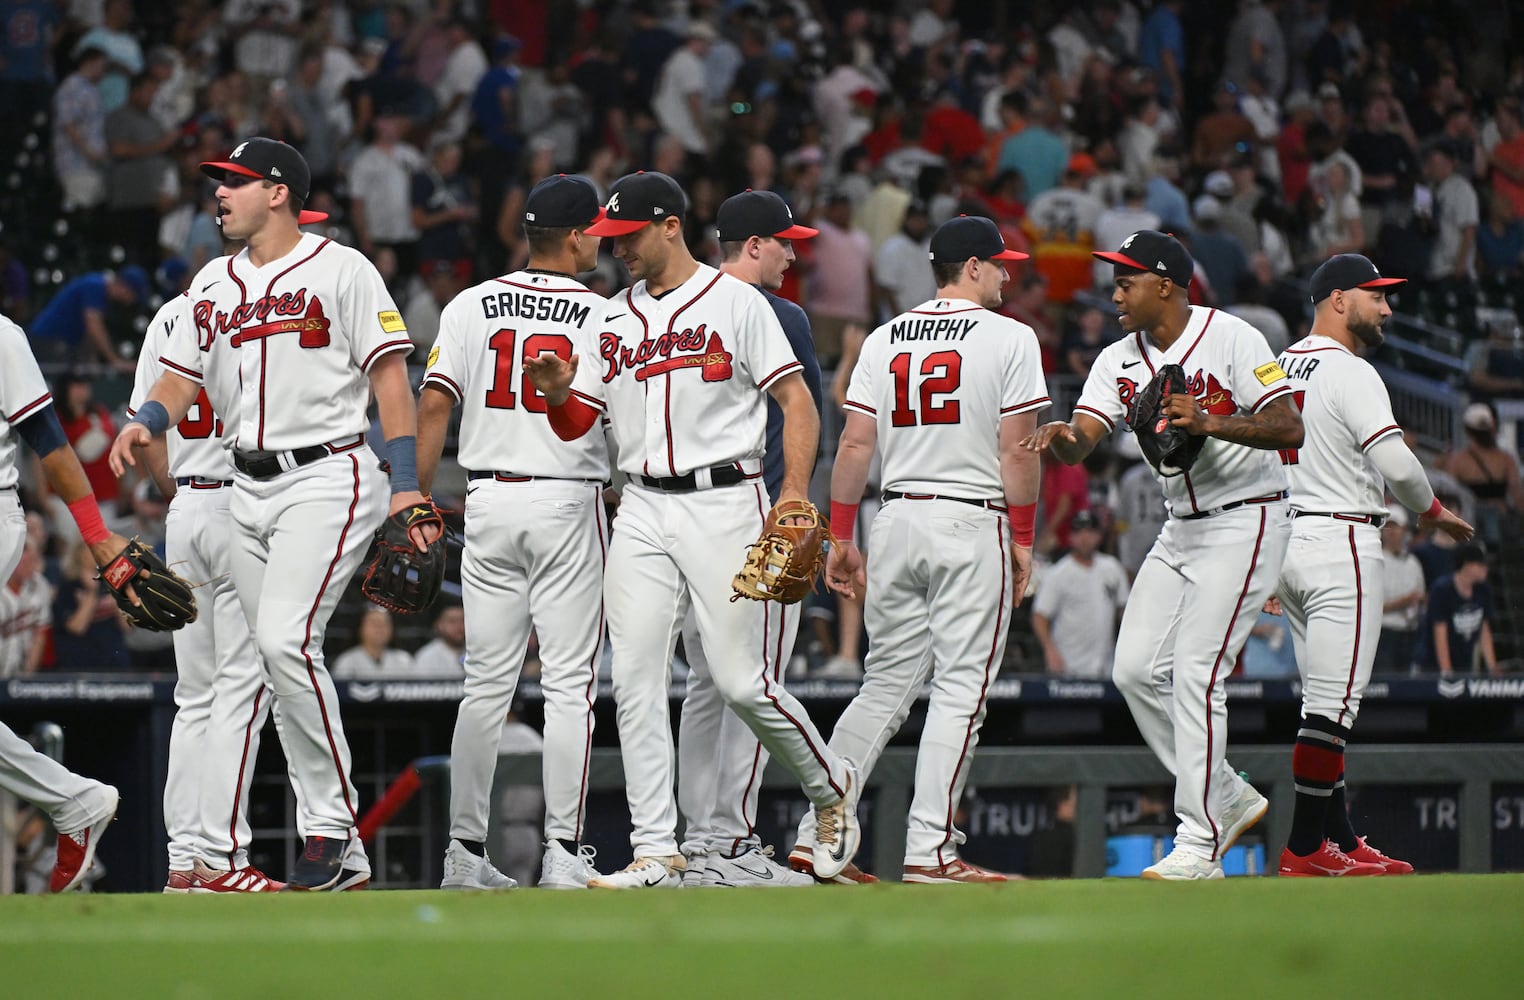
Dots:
{"x": 844, "y": 569}
{"x": 1273, "y": 606}
{"x": 552, "y": 375}
{"x": 1055, "y": 662}
{"x": 1185, "y": 412}
{"x": 103, "y": 552}
{"x": 784, "y": 496}
{"x": 422, "y": 535}
{"x": 1021, "y": 569}
{"x": 133, "y": 435}
{"x": 1042, "y": 438}
{"x": 1447, "y": 522}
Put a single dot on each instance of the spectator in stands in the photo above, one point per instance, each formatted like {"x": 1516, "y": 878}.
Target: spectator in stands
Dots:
{"x": 380, "y": 186}
{"x": 1064, "y": 492}
{"x": 141, "y": 180}
{"x": 1161, "y": 47}
{"x": 305, "y": 112}
{"x": 680, "y": 100}
{"x": 841, "y": 283}
{"x": 1084, "y": 341}
{"x": 1460, "y": 617}
{"x": 1222, "y": 133}
{"x": 1456, "y": 216}
{"x": 26, "y": 603}
{"x": 1506, "y": 159}
{"x": 445, "y": 210}
{"x": 1488, "y": 471}
{"x": 1495, "y": 366}
{"x": 902, "y": 266}
{"x": 1404, "y": 591}
{"x": 1165, "y": 197}
{"x": 79, "y": 133}
{"x": 77, "y": 313}
{"x": 1036, "y": 150}
{"x": 1386, "y": 157}
{"x": 372, "y": 657}
{"x": 1139, "y": 138}
{"x": 115, "y": 37}
{"x": 1060, "y": 224}
{"x": 445, "y": 655}
{"x": 1219, "y": 254}
{"x": 1338, "y": 226}
{"x": 1256, "y": 46}
{"x": 1141, "y": 515}
{"x": 464, "y": 68}
{"x": 89, "y": 634}
{"x": 1027, "y": 304}
{"x": 264, "y": 36}
{"x": 1269, "y": 653}
{"x": 1078, "y": 604}
{"x": 1500, "y": 243}
{"x": 442, "y": 281}
{"x": 1291, "y": 150}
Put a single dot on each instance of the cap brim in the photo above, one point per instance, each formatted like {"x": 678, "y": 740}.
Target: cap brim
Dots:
{"x": 1009, "y": 254}
{"x": 215, "y": 169}
{"x": 308, "y": 217}
{"x": 796, "y": 233}
{"x": 1383, "y": 283}
{"x": 615, "y": 227}
{"x": 1120, "y": 259}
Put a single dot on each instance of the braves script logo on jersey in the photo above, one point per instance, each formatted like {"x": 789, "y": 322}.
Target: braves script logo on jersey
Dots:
{"x": 291, "y": 312}
{"x": 1204, "y": 386}
{"x": 650, "y": 358}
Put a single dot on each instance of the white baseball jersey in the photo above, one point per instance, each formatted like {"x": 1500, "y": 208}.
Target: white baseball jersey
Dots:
{"x": 1345, "y": 409}
{"x": 930, "y": 375}
{"x": 22, "y": 393}
{"x": 284, "y": 349}
{"x": 1231, "y": 370}
{"x": 195, "y": 443}
{"x": 485, "y": 333}
{"x": 712, "y": 329}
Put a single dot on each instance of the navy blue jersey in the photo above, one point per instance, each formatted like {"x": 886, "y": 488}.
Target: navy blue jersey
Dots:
{"x": 797, "y": 326}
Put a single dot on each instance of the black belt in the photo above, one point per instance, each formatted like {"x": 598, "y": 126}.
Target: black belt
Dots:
{"x": 1272, "y": 498}
{"x": 268, "y": 464}
{"x": 1377, "y": 519}
{"x": 986, "y": 504}
{"x": 197, "y": 483}
{"x": 509, "y": 477}
{"x": 719, "y": 475}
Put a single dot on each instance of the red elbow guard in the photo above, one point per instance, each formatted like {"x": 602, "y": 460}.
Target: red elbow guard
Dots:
{"x": 571, "y": 419}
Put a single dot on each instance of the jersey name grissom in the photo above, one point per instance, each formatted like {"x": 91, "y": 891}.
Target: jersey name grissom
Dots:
{"x": 683, "y": 377}
{"x": 485, "y": 333}
{"x": 1345, "y": 409}
{"x": 937, "y": 381}
{"x": 288, "y": 347}
{"x": 1231, "y": 371}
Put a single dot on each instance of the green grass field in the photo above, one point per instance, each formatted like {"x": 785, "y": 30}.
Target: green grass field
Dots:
{"x": 1434, "y": 937}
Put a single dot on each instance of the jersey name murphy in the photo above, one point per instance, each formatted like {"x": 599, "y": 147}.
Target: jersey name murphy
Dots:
{"x": 527, "y": 305}
{"x": 660, "y": 356}
{"x": 1209, "y": 392}
{"x": 910, "y": 330}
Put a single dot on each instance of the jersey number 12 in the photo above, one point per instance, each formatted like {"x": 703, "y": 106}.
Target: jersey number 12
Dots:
{"x": 508, "y": 369}
{"x": 940, "y": 373}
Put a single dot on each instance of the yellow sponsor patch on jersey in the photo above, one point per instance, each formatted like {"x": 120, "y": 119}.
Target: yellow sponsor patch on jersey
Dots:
{"x": 433, "y": 355}
{"x": 1268, "y": 373}
{"x": 391, "y": 322}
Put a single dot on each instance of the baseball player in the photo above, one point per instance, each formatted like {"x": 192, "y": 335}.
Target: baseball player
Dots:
{"x": 1202, "y": 585}
{"x": 685, "y": 356}
{"x": 79, "y": 807}
{"x": 948, "y": 391}
{"x": 719, "y": 760}
{"x": 289, "y": 338}
{"x": 536, "y": 530}
{"x": 1331, "y": 586}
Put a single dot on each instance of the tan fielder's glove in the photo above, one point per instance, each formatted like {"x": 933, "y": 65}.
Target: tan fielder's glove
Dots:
{"x": 782, "y": 565}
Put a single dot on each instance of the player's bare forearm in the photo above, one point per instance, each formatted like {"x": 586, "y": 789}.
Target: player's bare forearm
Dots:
{"x": 1020, "y": 468}
{"x": 157, "y": 457}
{"x": 854, "y": 456}
{"x": 1442, "y": 648}
{"x": 1276, "y": 426}
{"x": 394, "y": 397}
{"x": 433, "y": 423}
{"x": 66, "y": 477}
{"x": 801, "y": 434}
{"x": 176, "y": 393}
{"x": 1489, "y": 653}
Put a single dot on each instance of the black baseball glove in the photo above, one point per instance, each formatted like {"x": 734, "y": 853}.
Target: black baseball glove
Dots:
{"x": 400, "y": 578}
{"x": 165, "y": 602}
{"x": 1169, "y": 449}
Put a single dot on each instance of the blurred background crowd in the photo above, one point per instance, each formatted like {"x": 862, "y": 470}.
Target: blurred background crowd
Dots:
{"x": 1268, "y": 134}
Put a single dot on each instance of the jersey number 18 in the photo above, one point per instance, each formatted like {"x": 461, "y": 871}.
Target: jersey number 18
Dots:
{"x": 508, "y": 368}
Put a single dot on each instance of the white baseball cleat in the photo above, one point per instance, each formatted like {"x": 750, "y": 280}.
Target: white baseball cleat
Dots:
{"x": 562, "y": 869}
{"x": 1247, "y": 808}
{"x": 645, "y": 873}
{"x": 464, "y": 870}
{"x": 753, "y": 867}
{"x": 698, "y": 866}
{"x": 1181, "y": 865}
{"x": 837, "y": 832}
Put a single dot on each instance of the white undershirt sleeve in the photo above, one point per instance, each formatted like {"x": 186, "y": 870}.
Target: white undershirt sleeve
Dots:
{"x": 1402, "y": 471}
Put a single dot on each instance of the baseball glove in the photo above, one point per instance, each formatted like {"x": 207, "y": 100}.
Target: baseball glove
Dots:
{"x": 165, "y": 599}
{"x": 782, "y": 565}
{"x": 1169, "y": 449}
{"x": 400, "y": 578}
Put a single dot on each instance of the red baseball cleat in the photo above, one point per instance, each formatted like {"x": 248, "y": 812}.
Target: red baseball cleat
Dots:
{"x": 956, "y": 870}
{"x": 1369, "y": 855}
{"x": 248, "y": 879}
{"x": 180, "y": 882}
{"x": 1327, "y": 861}
{"x": 77, "y": 850}
{"x": 801, "y": 859}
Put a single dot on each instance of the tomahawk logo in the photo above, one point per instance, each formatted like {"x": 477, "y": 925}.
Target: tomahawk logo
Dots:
{"x": 613, "y": 205}
{"x": 1128, "y": 242}
{"x": 239, "y": 151}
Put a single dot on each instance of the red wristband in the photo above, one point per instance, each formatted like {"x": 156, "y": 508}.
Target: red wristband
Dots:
{"x": 1023, "y": 523}
{"x": 571, "y": 419}
{"x": 87, "y": 514}
{"x": 1434, "y": 508}
{"x": 843, "y": 521}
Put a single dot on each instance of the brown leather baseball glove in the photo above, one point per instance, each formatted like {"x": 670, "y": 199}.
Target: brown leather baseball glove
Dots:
{"x": 782, "y": 565}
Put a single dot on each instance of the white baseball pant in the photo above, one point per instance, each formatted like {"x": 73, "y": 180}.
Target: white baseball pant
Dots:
{"x": 1331, "y": 590}
{"x": 71, "y": 800}
{"x": 298, "y": 538}
{"x": 671, "y": 549}
{"x": 938, "y": 607}
{"x": 533, "y": 558}
{"x": 1194, "y": 601}
{"x": 719, "y": 759}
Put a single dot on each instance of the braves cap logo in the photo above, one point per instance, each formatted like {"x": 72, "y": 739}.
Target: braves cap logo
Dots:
{"x": 613, "y": 205}
{"x": 1125, "y": 243}
{"x": 239, "y": 151}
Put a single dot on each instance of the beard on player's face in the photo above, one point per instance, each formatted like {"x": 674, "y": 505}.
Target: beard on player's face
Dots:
{"x": 1365, "y": 321}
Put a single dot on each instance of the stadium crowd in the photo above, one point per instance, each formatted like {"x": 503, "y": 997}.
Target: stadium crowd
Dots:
{"x": 1314, "y": 129}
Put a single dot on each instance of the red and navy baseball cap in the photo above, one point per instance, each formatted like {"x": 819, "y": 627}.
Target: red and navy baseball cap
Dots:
{"x": 1155, "y": 252}
{"x": 758, "y": 213}
{"x": 1344, "y": 271}
{"x": 562, "y": 201}
{"x": 637, "y": 200}
{"x": 956, "y": 240}
{"x": 267, "y": 159}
